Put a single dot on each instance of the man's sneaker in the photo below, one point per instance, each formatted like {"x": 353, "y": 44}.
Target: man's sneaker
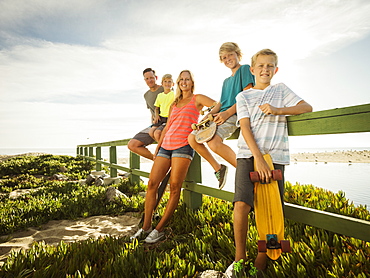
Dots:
{"x": 221, "y": 176}
{"x": 236, "y": 270}
{"x": 154, "y": 236}
{"x": 140, "y": 234}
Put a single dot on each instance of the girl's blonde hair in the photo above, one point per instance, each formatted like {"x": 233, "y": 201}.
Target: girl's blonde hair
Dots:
{"x": 230, "y": 47}
{"x": 179, "y": 94}
{"x": 265, "y": 51}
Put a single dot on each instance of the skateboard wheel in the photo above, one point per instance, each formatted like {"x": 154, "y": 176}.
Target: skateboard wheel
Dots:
{"x": 262, "y": 247}
{"x": 210, "y": 117}
{"x": 277, "y": 175}
{"x": 254, "y": 176}
{"x": 194, "y": 126}
{"x": 285, "y": 246}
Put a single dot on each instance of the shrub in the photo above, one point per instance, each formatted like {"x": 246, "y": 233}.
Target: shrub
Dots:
{"x": 46, "y": 165}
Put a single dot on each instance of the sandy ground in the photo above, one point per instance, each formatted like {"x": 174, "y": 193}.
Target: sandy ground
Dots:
{"x": 70, "y": 231}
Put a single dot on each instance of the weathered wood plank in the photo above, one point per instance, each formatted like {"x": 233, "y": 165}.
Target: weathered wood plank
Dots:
{"x": 191, "y": 198}
{"x": 340, "y": 120}
{"x": 115, "y": 143}
{"x": 210, "y": 191}
{"x": 351, "y": 119}
{"x": 336, "y": 223}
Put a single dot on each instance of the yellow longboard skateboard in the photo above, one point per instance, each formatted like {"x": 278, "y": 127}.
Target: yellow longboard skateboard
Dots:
{"x": 269, "y": 213}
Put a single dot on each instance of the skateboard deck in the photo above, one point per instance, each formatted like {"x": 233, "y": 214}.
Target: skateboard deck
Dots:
{"x": 269, "y": 214}
{"x": 205, "y": 130}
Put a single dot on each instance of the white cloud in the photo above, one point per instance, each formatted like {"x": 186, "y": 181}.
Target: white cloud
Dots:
{"x": 64, "y": 70}
{"x": 88, "y": 56}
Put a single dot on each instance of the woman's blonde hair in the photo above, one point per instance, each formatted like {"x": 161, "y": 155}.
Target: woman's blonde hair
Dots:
{"x": 230, "y": 47}
{"x": 265, "y": 51}
{"x": 179, "y": 94}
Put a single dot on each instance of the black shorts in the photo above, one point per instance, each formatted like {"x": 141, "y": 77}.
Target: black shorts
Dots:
{"x": 244, "y": 187}
{"x": 162, "y": 121}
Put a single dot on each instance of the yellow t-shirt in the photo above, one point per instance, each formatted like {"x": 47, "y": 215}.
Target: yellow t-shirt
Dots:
{"x": 164, "y": 102}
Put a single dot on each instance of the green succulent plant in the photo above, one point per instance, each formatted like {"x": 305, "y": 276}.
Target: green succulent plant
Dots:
{"x": 195, "y": 240}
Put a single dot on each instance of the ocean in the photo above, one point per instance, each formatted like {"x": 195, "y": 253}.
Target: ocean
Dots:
{"x": 352, "y": 179}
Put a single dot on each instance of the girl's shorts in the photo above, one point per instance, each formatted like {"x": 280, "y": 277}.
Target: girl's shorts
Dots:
{"x": 184, "y": 152}
{"x": 244, "y": 187}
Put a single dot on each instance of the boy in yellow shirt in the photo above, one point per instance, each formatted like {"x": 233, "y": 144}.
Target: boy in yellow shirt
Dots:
{"x": 162, "y": 107}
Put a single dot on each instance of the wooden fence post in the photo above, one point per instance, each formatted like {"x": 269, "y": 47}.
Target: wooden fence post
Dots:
{"x": 98, "y": 157}
{"x": 193, "y": 200}
{"x": 113, "y": 160}
{"x": 134, "y": 164}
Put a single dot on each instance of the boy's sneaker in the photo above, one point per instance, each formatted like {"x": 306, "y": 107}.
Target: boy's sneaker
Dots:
{"x": 140, "y": 234}
{"x": 236, "y": 270}
{"x": 221, "y": 176}
{"x": 154, "y": 236}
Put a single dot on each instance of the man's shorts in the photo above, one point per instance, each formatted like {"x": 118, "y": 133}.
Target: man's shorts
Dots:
{"x": 226, "y": 129}
{"x": 144, "y": 137}
{"x": 185, "y": 152}
{"x": 244, "y": 187}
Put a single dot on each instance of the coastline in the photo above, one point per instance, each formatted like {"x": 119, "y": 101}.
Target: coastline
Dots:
{"x": 334, "y": 156}
{"x": 4, "y": 157}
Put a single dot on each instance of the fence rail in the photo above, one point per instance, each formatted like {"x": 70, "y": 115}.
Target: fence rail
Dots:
{"x": 334, "y": 121}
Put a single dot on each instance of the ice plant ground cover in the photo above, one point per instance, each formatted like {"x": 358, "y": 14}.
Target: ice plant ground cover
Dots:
{"x": 195, "y": 240}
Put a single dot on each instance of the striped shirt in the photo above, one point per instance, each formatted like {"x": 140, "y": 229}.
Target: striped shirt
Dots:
{"x": 179, "y": 125}
{"x": 270, "y": 131}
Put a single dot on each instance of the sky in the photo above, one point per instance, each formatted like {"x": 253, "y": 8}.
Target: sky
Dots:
{"x": 71, "y": 71}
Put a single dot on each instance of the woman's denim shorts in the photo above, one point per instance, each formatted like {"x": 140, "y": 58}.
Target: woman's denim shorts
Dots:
{"x": 185, "y": 152}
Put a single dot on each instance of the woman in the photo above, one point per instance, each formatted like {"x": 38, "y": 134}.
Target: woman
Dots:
{"x": 173, "y": 151}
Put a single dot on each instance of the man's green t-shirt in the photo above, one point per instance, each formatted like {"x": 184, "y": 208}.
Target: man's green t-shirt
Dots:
{"x": 150, "y": 98}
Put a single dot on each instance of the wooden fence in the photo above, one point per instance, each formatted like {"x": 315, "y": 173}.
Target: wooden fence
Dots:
{"x": 340, "y": 120}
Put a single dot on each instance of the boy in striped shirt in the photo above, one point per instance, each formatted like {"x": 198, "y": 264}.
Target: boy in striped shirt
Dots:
{"x": 261, "y": 114}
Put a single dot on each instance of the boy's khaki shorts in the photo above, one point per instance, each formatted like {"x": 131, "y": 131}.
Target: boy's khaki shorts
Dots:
{"x": 226, "y": 129}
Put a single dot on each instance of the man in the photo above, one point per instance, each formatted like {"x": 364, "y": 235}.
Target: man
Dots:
{"x": 142, "y": 139}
